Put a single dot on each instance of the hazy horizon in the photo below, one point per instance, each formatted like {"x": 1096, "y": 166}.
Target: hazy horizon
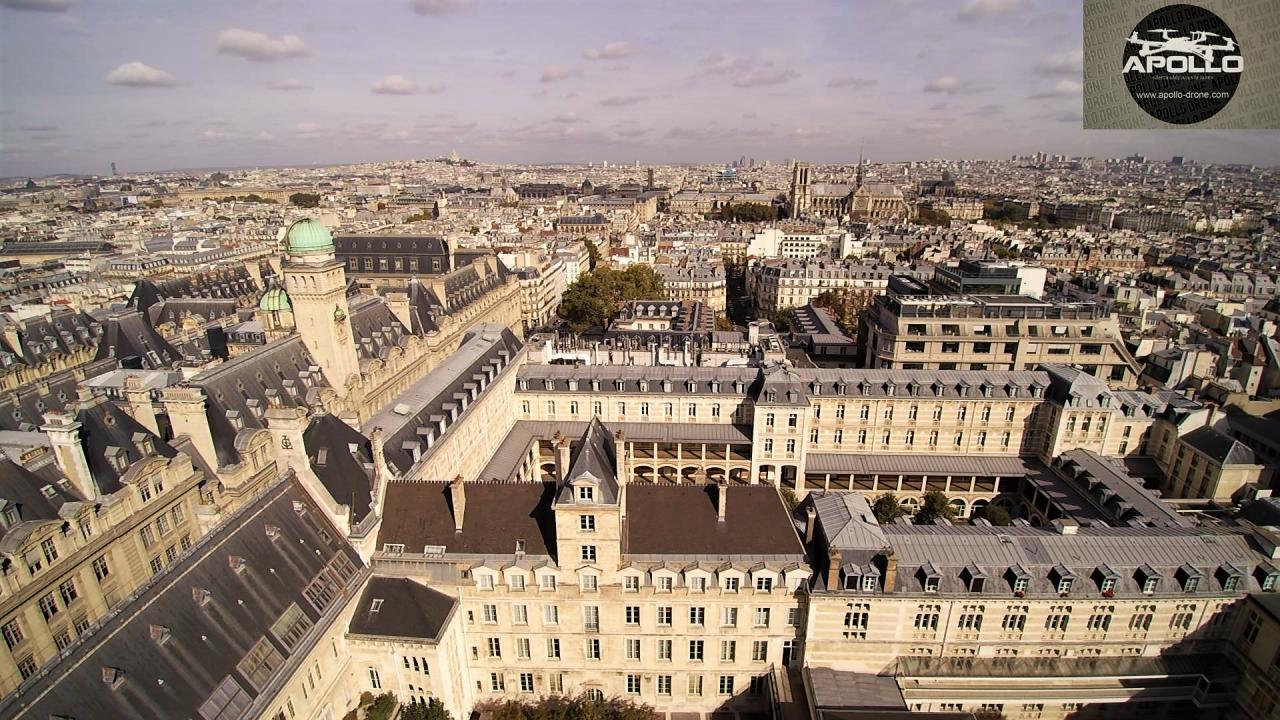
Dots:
{"x": 154, "y": 85}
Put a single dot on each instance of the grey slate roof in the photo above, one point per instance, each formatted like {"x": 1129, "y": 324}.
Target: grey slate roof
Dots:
{"x": 593, "y": 458}
{"x": 343, "y": 461}
{"x": 241, "y": 609}
{"x": 405, "y": 608}
{"x": 1220, "y": 448}
{"x": 418, "y": 514}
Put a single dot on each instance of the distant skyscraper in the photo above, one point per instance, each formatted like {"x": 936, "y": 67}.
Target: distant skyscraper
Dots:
{"x": 114, "y": 173}
{"x": 1177, "y": 160}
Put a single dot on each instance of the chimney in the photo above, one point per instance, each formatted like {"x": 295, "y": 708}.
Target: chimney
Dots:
{"x": 562, "y": 457}
{"x": 620, "y": 458}
{"x": 810, "y": 524}
{"x": 64, "y": 436}
{"x": 722, "y": 494}
{"x": 140, "y": 408}
{"x": 890, "y": 570}
{"x": 833, "y": 569}
{"x": 458, "y": 493}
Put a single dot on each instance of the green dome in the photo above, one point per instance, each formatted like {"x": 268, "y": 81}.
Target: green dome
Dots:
{"x": 308, "y": 236}
{"x": 275, "y": 300}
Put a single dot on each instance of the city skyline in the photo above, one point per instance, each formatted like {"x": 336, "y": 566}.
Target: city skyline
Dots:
{"x": 299, "y": 84}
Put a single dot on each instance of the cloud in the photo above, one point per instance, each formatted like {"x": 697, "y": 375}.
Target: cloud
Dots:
{"x": 289, "y": 84}
{"x": 395, "y": 85}
{"x": 852, "y": 82}
{"x": 566, "y": 118}
{"x": 308, "y": 130}
{"x": 764, "y": 77}
{"x": 609, "y": 51}
{"x": 264, "y": 136}
{"x": 1066, "y": 64}
{"x": 1064, "y": 88}
{"x": 951, "y": 85}
{"x": 137, "y": 74}
{"x": 37, "y": 5}
{"x": 259, "y": 47}
{"x": 623, "y": 100}
{"x": 746, "y": 72}
{"x": 982, "y": 9}
{"x": 555, "y": 73}
{"x": 438, "y": 7}
{"x": 39, "y": 128}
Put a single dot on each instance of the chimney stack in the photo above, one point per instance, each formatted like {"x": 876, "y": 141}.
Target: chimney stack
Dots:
{"x": 722, "y": 493}
{"x": 458, "y": 493}
{"x": 833, "y": 569}
{"x": 562, "y": 456}
{"x": 64, "y": 435}
{"x": 810, "y": 524}
{"x": 890, "y": 570}
{"x": 620, "y": 458}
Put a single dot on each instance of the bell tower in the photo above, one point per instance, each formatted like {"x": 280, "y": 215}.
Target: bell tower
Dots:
{"x": 317, "y": 291}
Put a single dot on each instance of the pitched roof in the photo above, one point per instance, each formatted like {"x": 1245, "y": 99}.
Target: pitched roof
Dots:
{"x": 1220, "y": 448}
{"x": 342, "y": 460}
{"x": 682, "y": 520}
{"x": 417, "y": 514}
{"x": 405, "y": 608}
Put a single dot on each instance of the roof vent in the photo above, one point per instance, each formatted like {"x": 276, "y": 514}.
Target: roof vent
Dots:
{"x": 112, "y": 676}
{"x": 160, "y": 634}
{"x": 201, "y": 596}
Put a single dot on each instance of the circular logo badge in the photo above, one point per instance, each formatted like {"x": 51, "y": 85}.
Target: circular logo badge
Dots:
{"x": 1182, "y": 64}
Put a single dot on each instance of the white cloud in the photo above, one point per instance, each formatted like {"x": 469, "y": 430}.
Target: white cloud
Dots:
{"x": 1064, "y": 88}
{"x": 395, "y": 85}
{"x": 308, "y": 130}
{"x": 566, "y": 118}
{"x": 623, "y": 100}
{"x": 289, "y": 84}
{"x": 137, "y": 74}
{"x": 1065, "y": 64}
{"x": 438, "y": 7}
{"x": 764, "y": 76}
{"x": 37, "y": 5}
{"x": 259, "y": 47}
{"x": 747, "y": 72}
{"x": 852, "y": 82}
{"x": 555, "y": 73}
{"x": 264, "y": 136}
{"x": 609, "y": 51}
{"x": 983, "y": 9}
{"x": 951, "y": 85}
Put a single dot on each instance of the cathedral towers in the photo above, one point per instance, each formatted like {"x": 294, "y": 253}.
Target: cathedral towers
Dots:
{"x": 317, "y": 291}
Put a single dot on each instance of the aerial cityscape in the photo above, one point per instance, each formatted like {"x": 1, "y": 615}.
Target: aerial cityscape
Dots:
{"x": 451, "y": 359}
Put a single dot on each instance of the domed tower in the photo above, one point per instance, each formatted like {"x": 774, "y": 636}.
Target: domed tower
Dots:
{"x": 275, "y": 312}
{"x": 317, "y": 292}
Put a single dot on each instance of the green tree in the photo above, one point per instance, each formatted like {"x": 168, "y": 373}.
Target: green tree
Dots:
{"x": 419, "y": 710}
{"x": 995, "y": 515}
{"x": 593, "y": 252}
{"x": 935, "y": 506}
{"x": 595, "y": 296}
{"x": 748, "y": 212}
{"x": 559, "y": 707}
{"x": 723, "y": 322}
{"x": 789, "y": 496}
{"x": 781, "y": 320}
{"x": 305, "y": 200}
{"x": 929, "y": 216}
{"x": 886, "y": 508}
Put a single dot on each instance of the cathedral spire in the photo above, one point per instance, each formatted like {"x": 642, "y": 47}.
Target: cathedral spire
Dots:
{"x": 860, "y": 171}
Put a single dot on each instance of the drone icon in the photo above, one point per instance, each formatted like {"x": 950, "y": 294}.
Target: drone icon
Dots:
{"x": 1193, "y": 45}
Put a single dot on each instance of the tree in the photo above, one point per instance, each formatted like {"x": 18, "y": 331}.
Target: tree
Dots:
{"x": 789, "y": 496}
{"x": 845, "y": 306}
{"x": 593, "y": 252}
{"x": 886, "y": 508}
{"x": 930, "y": 216}
{"x": 419, "y": 710}
{"x": 935, "y": 506}
{"x": 748, "y": 212}
{"x": 723, "y": 323}
{"x": 580, "y": 707}
{"x": 995, "y": 515}
{"x": 595, "y": 296}
{"x": 305, "y": 200}
{"x": 781, "y": 320}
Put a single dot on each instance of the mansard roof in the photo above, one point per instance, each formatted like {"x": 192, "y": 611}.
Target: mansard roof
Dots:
{"x": 404, "y": 608}
{"x": 207, "y": 605}
{"x": 202, "y": 310}
{"x": 342, "y": 460}
{"x": 223, "y": 282}
{"x": 37, "y": 494}
{"x": 107, "y": 431}
{"x": 376, "y": 329}
{"x": 682, "y": 520}
{"x": 593, "y": 457}
{"x": 419, "y": 416}
{"x": 240, "y": 390}
{"x": 420, "y": 514}
{"x": 43, "y": 337}
{"x": 128, "y": 335}
{"x": 1219, "y": 447}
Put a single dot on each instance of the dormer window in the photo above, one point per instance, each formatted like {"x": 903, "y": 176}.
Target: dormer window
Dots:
{"x": 1268, "y": 577}
{"x": 974, "y": 578}
{"x": 715, "y": 386}
{"x": 586, "y": 493}
{"x": 931, "y": 579}
{"x": 1190, "y": 578}
{"x": 666, "y": 386}
{"x": 868, "y": 583}
{"x": 1063, "y": 578}
{"x": 644, "y": 386}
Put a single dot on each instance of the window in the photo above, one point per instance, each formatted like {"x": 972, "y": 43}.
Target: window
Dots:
{"x": 927, "y": 618}
{"x": 855, "y": 620}
{"x": 633, "y": 648}
{"x": 664, "y": 684}
{"x": 593, "y": 648}
{"x": 490, "y": 613}
{"x": 631, "y": 583}
{"x": 68, "y": 592}
{"x": 1251, "y": 629}
{"x": 522, "y": 648}
{"x": 697, "y": 615}
{"x": 728, "y": 617}
{"x": 551, "y": 614}
{"x": 547, "y": 582}
{"x": 555, "y": 682}
{"x": 148, "y": 537}
{"x": 587, "y": 523}
{"x": 590, "y": 583}
{"x": 588, "y": 553}
{"x": 1140, "y": 620}
{"x": 591, "y": 617}
{"x": 761, "y": 617}
{"x": 665, "y": 583}
{"x": 695, "y": 650}
{"x": 764, "y": 584}
{"x": 664, "y": 650}
{"x": 526, "y": 682}
{"x": 695, "y": 685}
{"x": 1059, "y": 617}
{"x": 633, "y": 614}
{"x": 553, "y": 648}
{"x": 664, "y": 616}
{"x": 12, "y": 633}
{"x": 726, "y": 684}
{"x": 633, "y": 684}
{"x": 1100, "y": 620}
{"x": 156, "y": 565}
{"x": 586, "y": 493}
{"x": 375, "y": 682}
{"x": 731, "y": 584}
{"x": 728, "y": 650}
{"x": 1015, "y": 618}
{"x": 495, "y": 647}
{"x": 697, "y": 584}
{"x": 48, "y": 606}
{"x": 497, "y": 683}
{"x": 516, "y": 582}
{"x": 793, "y": 617}
{"x": 759, "y": 650}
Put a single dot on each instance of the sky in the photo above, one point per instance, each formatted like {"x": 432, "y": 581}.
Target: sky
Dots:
{"x": 166, "y": 84}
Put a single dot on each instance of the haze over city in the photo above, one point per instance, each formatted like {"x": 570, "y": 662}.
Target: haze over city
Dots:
{"x": 159, "y": 85}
